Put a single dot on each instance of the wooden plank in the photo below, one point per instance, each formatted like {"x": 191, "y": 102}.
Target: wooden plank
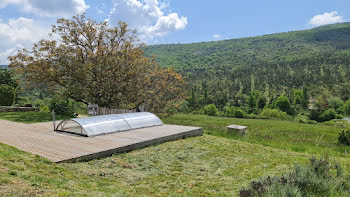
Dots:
{"x": 40, "y": 139}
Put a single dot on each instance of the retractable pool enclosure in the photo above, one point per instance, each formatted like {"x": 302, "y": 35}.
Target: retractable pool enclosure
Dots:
{"x": 99, "y": 125}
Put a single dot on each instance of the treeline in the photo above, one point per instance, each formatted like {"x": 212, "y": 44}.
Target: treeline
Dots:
{"x": 296, "y": 104}
{"x": 230, "y": 71}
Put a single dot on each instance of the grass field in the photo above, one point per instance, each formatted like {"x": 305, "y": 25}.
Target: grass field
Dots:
{"x": 287, "y": 135}
{"x": 218, "y": 164}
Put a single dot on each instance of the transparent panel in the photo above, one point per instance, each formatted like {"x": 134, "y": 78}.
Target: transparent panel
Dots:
{"x": 105, "y": 124}
{"x": 142, "y": 119}
{"x": 71, "y": 127}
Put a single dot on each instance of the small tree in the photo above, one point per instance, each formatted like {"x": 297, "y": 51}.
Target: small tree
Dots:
{"x": 253, "y": 101}
{"x": 335, "y": 102}
{"x": 211, "y": 110}
{"x": 344, "y": 137}
{"x": 329, "y": 114}
{"x": 7, "y": 95}
{"x": 283, "y": 103}
{"x": 347, "y": 107}
{"x": 61, "y": 106}
{"x": 7, "y": 79}
{"x": 261, "y": 102}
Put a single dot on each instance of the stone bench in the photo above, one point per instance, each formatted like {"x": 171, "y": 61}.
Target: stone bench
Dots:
{"x": 237, "y": 128}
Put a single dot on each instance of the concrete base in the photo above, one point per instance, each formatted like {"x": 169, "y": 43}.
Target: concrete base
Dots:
{"x": 40, "y": 139}
{"x": 242, "y": 130}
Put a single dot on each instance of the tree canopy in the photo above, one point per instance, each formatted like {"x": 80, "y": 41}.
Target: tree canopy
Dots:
{"x": 92, "y": 62}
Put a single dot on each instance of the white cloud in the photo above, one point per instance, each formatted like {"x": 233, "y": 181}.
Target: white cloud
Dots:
{"x": 326, "y": 18}
{"x": 99, "y": 11}
{"x": 49, "y": 8}
{"x": 148, "y": 17}
{"x": 216, "y": 36}
{"x": 19, "y": 33}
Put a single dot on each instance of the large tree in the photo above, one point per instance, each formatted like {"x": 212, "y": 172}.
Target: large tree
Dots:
{"x": 92, "y": 62}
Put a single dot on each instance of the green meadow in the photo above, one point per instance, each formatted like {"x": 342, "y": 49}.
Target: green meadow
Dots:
{"x": 216, "y": 164}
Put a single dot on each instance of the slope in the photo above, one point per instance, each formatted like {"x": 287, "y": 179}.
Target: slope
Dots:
{"x": 317, "y": 58}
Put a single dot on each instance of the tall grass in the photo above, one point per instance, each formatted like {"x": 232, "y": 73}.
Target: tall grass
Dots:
{"x": 287, "y": 135}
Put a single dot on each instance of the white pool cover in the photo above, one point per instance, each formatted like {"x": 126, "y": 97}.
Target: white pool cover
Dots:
{"x": 98, "y": 125}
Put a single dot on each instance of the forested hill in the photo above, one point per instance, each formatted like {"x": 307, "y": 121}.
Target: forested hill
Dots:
{"x": 318, "y": 58}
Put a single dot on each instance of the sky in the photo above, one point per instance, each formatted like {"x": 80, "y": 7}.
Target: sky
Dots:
{"x": 24, "y": 22}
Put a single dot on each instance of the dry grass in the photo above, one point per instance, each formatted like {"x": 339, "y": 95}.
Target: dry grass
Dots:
{"x": 201, "y": 166}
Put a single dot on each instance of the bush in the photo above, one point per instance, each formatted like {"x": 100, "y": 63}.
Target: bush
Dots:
{"x": 315, "y": 115}
{"x": 22, "y": 101}
{"x": 317, "y": 179}
{"x": 239, "y": 113}
{"x": 344, "y": 137}
{"x": 61, "y": 107}
{"x": 211, "y": 110}
{"x": 329, "y": 114}
{"x": 347, "y": 107}
{"x": 341, "y": 110}
{"x": 283, "y": 104}
{"x": 234, "y": 112}
{"x": 38, "y": 103}
{"x": 302, "y": 119}
{"x": 7, "y": 95}
{"x": 335, "y": 102}
{"x": 273, "y": 114}
{"x": 252, "y": 116}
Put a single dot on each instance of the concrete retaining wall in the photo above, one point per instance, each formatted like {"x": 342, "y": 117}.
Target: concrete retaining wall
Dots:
{"x": 17, "y": 109}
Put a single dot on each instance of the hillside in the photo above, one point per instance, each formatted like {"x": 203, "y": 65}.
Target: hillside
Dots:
{"x": 317, "y": 58}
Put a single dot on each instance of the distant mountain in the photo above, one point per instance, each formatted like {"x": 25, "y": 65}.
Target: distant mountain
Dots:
{"x": 3, "y": 66}
{"x": 318, "y": 58}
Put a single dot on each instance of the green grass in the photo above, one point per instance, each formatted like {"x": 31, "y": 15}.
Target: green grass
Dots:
{"x": 211, "y": 165}
{"x": 30, "y": 117}
{"x": 287, "y": 135}
{"x": 200, "y": 166}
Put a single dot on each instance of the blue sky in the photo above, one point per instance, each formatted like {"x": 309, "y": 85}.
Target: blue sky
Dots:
{"x": 23, "y": 22}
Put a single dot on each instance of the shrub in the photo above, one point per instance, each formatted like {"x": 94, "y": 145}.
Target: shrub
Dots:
{"x": 329, "y": 114}
{"x": 315, "y": 115}
{"x": 61, "y": 107}
{"x": 211, "y": 110}
{"x": 7, "y": 95}
{"x": 22, "y": 101}
{"x": 273, "y": 114}
{"x": 234, "y": 112}
{"x": 347, "y": 107}
{"x": 283, "y": 104}
{"x": 302, "y": 119}
{"x": 317, "y": 179}
{"x": 341, "y": 110}
{"x": 38, "y": 103}
{"x": 344, "y": 137}
{"x": 335, "y": 102}
{"x": 251, "y": 116}
{"x": 239, "y": 113}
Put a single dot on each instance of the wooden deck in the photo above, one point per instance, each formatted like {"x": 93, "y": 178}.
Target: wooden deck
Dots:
{"x": 40, "y": 139}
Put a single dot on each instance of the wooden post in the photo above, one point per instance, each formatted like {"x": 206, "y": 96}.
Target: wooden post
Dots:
{"x": 54, "y": 120}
